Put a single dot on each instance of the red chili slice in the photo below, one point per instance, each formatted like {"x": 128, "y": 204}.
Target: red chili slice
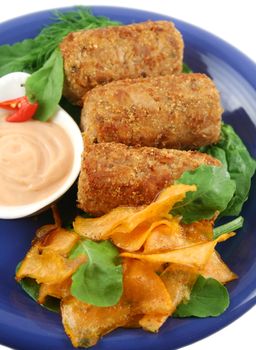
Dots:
{"x": 23, "y": 109}
{"x": 11, "y": 105}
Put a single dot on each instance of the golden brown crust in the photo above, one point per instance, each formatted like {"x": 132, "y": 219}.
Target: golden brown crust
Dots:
{"x": 114, "y": 174}
{"x": 174, "y": 111}
{"x": 99, "y": 56}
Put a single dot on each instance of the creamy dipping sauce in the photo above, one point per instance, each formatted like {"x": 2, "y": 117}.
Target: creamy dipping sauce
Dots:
{"x": 35, "y": 160}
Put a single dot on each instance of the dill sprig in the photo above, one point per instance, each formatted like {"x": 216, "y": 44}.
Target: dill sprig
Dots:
{"x": 30, "y": 54}
{"x": 67, "y": 22}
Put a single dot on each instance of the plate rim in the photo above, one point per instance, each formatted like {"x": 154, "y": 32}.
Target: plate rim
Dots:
{"x": 246, "y": 61}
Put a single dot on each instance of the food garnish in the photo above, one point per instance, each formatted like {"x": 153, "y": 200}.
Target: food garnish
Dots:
{"x": 31, "y": 54}
{"x": 22, "y": 108}
{"x": 45, "y": 86}
{"x": 228, "y": 227}
{"x": 134, "y": 266}
{"x": 41, "y": 57}
{"x": 102, "y": 268}
{"x": 215, "y": 189}
{"x": 204, "y": 289}
{"x": 233, "y": 154}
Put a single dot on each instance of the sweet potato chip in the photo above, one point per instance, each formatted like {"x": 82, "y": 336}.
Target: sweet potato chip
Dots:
{"x": 195, "y": 256}
{"x": 59, "y": 240}
{"x": 144, "y": 289}
{"x": 97, "y": 228}
{"x": 153, "y": 322}
{"x": 57, "y": 290}
{"x": 199, "y": 231}
{"x": 156, "y": 210}
{"x": 134, "y": 240}
{"x": 43, "y": 230}
{"x": 124, "y": 220}
{"x": 134, "y": 321}
{"x": 217, "y": 269}
{"x": 46, "y": 262}
{"x": 85, "y": 324}
{"x": 166, "y": 236}
{"x": 176, "y": 235}
{"x": 179, "y": 281}
{"x": 162, "y": 259}
{"x": 47, "y": 266}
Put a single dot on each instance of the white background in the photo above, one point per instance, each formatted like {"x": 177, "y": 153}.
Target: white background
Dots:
{"x": 233, "y": 21}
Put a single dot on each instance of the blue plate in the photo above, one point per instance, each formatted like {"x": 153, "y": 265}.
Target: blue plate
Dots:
{"x": 23, "y": 323}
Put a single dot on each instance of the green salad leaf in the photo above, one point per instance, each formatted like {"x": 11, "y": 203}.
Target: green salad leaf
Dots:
{"x": 214, "y": 191}
{"x": 234, "y": 155}
{"x": 31, "y": 287}
{"x": 30, "y": 54}
{"x": 14, "y": 58}
{"x": 42, "y": 57}
{"x": 45, "y": 86}
{"x": 208, "y": 298}
{"x": 99, "y": 281}
{"x": 186, "y": 68}
{"x": 229, "y": 227}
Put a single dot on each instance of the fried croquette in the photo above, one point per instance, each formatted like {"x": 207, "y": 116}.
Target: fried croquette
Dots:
{"x": 99, "y": 56}
{"x": 115, "y": 175}
{"x": 180, "y": 111}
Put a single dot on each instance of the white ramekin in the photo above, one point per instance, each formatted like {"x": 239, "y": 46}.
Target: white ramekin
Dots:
{"x": 12, "y": 86}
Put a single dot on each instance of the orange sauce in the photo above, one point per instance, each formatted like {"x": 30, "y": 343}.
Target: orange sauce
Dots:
{"x": 35, "y": 160}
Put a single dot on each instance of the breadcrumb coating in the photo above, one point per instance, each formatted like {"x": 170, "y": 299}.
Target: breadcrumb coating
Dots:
{"x": 99, "y": 56}
{"x": 174, "y": 111}
{"x": 115, "y": 175}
